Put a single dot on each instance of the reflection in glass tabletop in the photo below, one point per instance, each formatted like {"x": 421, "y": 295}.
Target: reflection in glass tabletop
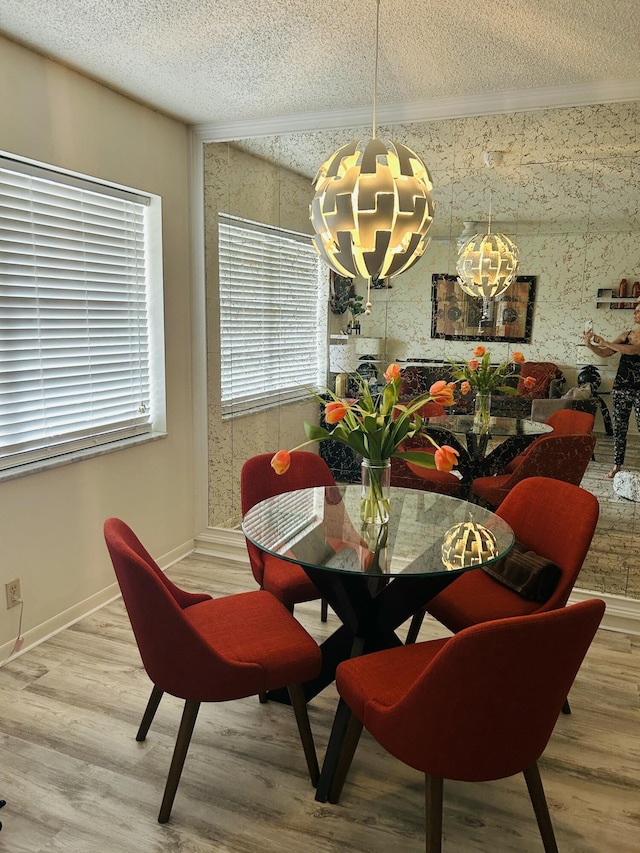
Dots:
{"x": 463, "y": 424}
{"x": 427, "y": 534}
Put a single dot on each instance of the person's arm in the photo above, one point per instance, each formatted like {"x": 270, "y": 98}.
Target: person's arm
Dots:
{"x": 592, "y": 342}
{"x": 617, "y": 345}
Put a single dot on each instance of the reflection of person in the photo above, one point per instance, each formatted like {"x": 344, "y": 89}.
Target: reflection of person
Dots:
{"x": 626, "y": 386}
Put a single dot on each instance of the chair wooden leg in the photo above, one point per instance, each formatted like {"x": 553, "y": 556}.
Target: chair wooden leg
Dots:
{"x": 189, "y": 716}
{"x": 324, "y": 610}
{"x": 351, "y": 738}
{"x": 539, "y": 802}
{"x": 566, "y": 708}
{"x": 299, "y": 703}
{"x": 414, "y": 628}
{"x": 150, "y": 712}
{"x": 433, "y": 811}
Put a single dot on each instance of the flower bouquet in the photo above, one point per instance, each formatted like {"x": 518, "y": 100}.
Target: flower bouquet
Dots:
{"x": 478, "y": 374}
{"x": 375, "y": 425}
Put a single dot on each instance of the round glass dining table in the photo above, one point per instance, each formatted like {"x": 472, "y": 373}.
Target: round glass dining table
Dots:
{"x": 510, "y": 435}
{"x": 373, "y": 577}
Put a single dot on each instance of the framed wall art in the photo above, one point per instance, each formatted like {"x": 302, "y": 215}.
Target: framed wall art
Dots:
{"x": 457, "y": 316}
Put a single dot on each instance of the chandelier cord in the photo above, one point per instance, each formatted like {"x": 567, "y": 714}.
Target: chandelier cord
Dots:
{"x": 375, "y": 73}
{"x": 490, "y": 209}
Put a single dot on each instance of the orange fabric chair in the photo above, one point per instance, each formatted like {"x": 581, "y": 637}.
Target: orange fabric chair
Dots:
{"x": 474, "y": 707}
{"x": 557, "y": 521}
{"x": 205, "y": 650}
{"x": 411, "y": 476}
{"x": 544, "y": 372}
{"x": 561, "y": 457}
{"x": 258, "y": 481}
{"x": 571, "y": 422}
{"x": 564, "y": 422}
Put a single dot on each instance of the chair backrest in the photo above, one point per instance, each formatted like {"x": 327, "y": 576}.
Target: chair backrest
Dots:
{"x": 571, "y": 422}
{"x": 258, "y": 481}
{"x": 485, "y": 706}
{"x": 174, "y": 654}
{"x": 543, "y": 372}
{"x": 555, "y": 520}
{"x": 562, "y": 457}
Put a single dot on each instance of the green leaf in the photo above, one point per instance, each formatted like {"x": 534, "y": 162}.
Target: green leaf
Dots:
{"x": 418, "y": 457}
{"x": 316, "y": 433}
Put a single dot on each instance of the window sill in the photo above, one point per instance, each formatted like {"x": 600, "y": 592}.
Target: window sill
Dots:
{"x": 77, "y": 456}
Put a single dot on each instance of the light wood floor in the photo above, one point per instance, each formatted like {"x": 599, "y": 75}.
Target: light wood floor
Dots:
{"x": 76, "y": 781}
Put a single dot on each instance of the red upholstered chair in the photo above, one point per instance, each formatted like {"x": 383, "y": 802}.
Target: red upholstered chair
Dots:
{"x": 544, "y": 372}
{"x": 474, "y": 707}
{"x": 564, "y": 422}
{"x": 205, "y": 650}
{"x": 258, "y": 481}
{"x": 571, "y": 422}
{"x": 553, "y": 519}
{"x": 411, "y": 476}
{"x": 561, "y": 457}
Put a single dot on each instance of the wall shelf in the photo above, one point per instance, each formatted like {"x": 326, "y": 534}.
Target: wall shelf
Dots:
{"x": 606, "y": 298}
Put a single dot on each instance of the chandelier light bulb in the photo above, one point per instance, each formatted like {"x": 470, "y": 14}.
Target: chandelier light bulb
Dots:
{"x": 372, "y": 209}
{"x": 487, "y": 264}
{"x": 372, "y": 206}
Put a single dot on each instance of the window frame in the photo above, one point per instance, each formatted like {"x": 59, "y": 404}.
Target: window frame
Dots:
{"x": 261, "y": 399}
{"x": 61, "y": 452}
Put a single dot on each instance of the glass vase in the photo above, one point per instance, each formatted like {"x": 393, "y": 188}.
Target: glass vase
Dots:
{"x": 481, "y": 420}
{"x": 376, "y": 490}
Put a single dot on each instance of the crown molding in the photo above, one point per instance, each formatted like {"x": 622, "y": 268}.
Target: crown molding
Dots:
{"x": 459, "y": 106}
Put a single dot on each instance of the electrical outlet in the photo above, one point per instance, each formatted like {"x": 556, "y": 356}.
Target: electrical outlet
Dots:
{"x": 12, "y": 590}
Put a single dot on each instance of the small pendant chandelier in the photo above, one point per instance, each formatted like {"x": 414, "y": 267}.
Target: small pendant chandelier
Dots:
{"x": 372, "y": 207}
{"x": 487, "y": 264}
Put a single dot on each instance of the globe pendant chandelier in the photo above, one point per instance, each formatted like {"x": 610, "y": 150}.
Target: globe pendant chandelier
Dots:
{"x": 487, "y": 264}
{"x": 372, "y": 207}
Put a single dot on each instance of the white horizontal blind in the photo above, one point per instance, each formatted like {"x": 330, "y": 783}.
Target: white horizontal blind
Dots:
{"x": 272, "y": 315}
{"x": 74, "y": 365}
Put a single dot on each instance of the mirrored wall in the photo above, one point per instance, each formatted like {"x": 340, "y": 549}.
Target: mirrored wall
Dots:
{"x": 565, "y": 189}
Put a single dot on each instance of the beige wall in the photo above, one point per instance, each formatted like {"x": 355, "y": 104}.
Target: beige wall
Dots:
{"x": 51, "y": 522}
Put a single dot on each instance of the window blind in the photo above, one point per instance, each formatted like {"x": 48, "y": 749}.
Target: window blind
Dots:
{"x": 273, "y": 321}
{"x": 74, "y": 355}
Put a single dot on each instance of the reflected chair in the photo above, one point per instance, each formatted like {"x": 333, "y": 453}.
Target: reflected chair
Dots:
{"x": 561, "y": 457}
{"x": 553, "y": 519}
{"x": 474, "y": 707}
{"x": 408, "y": 475}
{"x": 205, "y": 650}
{"x": 258, "y": 481}
{"x": 564, "y": 422}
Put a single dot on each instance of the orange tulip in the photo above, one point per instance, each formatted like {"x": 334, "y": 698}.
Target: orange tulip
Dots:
{"x": 479, "y": 351}
{"x": 518, "y": 358}
{"x": 335, "y": 411}
{"x": 529, "y": 381}
{"x": 392, "y": 373}
{"x": 281, "y": 462}
{"x": 465, "y": 387}
{"x": 442, "y": 392}
{"x": 445, "y": 458}
{"x": 473, "y": 365}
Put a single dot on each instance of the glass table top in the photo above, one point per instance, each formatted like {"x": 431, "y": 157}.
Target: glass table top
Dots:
{"x": 427, "y": 533}
{"x": 498, "y": 426}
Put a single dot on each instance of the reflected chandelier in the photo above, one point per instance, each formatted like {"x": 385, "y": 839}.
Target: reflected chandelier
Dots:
{"x": 372, "y": 207}
{"x": 487, "y": 264}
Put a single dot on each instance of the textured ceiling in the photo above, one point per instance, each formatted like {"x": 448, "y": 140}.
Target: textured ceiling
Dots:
{"x": 226, "y": 60}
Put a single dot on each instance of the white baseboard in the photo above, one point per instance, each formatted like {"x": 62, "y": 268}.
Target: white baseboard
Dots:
{"x": 74, "y": 614}
{"x": 622, "y": 614}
